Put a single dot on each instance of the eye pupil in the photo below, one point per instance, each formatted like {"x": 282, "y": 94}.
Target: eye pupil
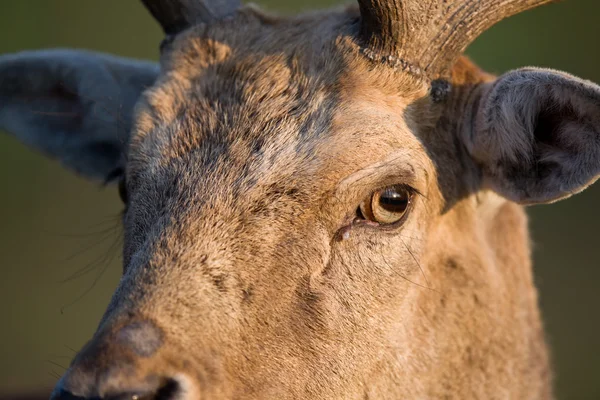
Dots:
{"x": 393, "y": 201}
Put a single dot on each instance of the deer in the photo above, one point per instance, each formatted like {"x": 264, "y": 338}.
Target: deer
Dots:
{"x": 323, "y": 206}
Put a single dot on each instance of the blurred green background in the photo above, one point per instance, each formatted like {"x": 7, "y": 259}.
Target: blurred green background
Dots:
{"x": 59, "y": 241}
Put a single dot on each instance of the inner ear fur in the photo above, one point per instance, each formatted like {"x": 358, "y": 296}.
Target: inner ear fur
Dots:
{"x": 536, "y": 135}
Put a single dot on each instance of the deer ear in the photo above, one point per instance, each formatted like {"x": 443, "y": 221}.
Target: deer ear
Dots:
{"x": 75, "y": 106}
{"x": 536, "y": 135}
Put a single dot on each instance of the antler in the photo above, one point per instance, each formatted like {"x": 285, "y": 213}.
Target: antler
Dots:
{"x": 176, "y": 15}
{"x": 426, "y": 37}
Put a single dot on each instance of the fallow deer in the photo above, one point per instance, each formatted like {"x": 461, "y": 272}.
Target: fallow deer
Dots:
{"x": 327, "y": 206}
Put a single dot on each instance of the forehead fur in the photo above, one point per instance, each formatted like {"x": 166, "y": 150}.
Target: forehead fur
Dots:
{"x": 255, "y": 79}
{"x": 260, "y": 102}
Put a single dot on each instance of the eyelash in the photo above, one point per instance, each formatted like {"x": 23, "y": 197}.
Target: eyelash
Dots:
{"x": 359, "y": 222}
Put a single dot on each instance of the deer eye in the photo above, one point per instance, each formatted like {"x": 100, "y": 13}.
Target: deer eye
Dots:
{"x": 386, "y": 206}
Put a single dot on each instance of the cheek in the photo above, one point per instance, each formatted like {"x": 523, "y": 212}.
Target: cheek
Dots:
{"x": 375, "y": 265}
{"x": 134, "y": 235}
{"x": 370, "y": 279}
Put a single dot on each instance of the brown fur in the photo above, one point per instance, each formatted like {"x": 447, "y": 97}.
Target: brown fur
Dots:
{"x": 245, "y": 276}
{"x": 266, "y": 313}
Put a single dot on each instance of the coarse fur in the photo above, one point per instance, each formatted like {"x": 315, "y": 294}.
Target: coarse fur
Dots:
{"x": 246, "y": 273}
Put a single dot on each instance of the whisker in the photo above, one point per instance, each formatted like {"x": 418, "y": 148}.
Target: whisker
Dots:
{"x": 70, "y": 348}
{"x": 54, "y": 374}
{"x": 96, "y": 243}
{"x": 107, "y": 260}
{"x": 416, "y": 261}
{"x": 57, "y": 364}
{"x": 405, "y": 278}
{"x": 82, "y": 235}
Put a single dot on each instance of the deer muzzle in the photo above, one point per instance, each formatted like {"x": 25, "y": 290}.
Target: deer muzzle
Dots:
{"x": 124, "y": 364}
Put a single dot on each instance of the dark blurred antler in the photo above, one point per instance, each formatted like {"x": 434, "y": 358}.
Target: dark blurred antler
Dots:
{"x": 426, "y": 37}
{"x": 176, "y": 15}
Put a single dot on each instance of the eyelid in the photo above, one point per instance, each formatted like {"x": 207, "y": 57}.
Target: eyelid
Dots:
{"x": 166, "y": 43}
{"x": 392, "y": 226}
{"x": 113, "y": 176}
{"x": 377, "y": 176}
{"x": 354, "y": 189}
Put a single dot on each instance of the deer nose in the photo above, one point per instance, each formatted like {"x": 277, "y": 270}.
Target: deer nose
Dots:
{"x": 169, "y": 390}
{"x": 122, "y": 364}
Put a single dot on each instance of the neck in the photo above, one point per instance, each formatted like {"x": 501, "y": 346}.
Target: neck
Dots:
{"x": 486, "y": 319}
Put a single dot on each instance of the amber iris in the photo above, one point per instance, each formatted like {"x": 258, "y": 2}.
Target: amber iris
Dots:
{"x": 386, "y": 206}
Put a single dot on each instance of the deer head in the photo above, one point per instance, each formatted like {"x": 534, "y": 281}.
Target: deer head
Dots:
{"x": 321, "y": 207}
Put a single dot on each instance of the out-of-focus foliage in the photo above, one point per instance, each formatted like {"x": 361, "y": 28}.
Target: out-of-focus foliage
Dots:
{"x": 59, "y": 235}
